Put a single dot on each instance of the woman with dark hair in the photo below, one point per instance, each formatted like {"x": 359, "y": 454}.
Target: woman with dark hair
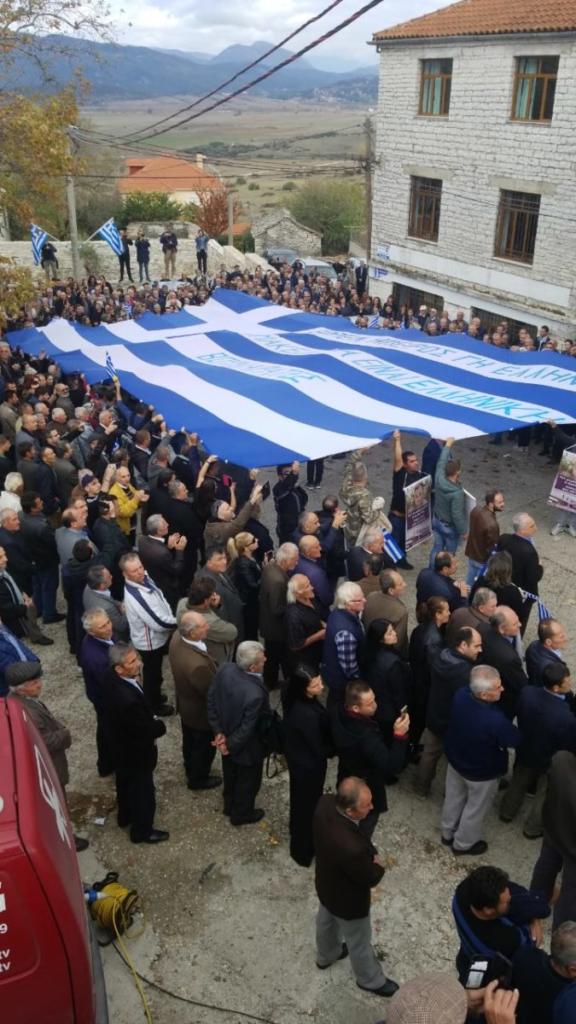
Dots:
{"x": 425, "y": 640}
{"x": 498, "y": 577}
{"x": 387, "y": 674}
{"x": 308, "y": 745}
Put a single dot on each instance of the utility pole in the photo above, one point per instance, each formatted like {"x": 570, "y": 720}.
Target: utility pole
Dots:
{"x": 231, "y": 218}
{"x": 368, "y": 167}
{"x": 71, "y": 200}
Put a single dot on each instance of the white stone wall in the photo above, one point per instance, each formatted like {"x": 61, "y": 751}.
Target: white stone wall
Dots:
{"x": 476, "y": 151}
{"x": 218, "y": 257}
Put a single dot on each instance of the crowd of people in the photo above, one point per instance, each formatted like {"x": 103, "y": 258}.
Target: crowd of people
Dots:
{"x": 162, "y": 558}
{"x": 95, "y": 300}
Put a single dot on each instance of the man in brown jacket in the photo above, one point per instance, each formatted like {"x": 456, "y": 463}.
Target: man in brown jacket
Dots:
{"x": 224, "y": 523}
{"x": 25, "y": 681}
{"x": 347, "y": 868}
{"x": 193, "y": 671}
{"x": 273, "y": 590}
{"x": 483, "y": 534}
{"x": 477, "y": 614}
{"x": 387, "y": 604}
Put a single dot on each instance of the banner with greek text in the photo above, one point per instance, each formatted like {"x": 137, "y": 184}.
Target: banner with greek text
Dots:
{"x": 418, "y": 512}
{"x": 563, "y": 493}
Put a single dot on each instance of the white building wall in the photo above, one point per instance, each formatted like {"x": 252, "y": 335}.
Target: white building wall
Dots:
{"x": 477, "y": 150}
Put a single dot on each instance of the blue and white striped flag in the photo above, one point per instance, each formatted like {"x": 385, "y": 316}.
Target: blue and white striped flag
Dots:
{"x": 543, "y": 611}
{"x": 110, "y": 367}
{"x": 266, "y": 384}
{"x": 374, "y": 321}
{"x": 38, "y": 236}
{"x": 392, "y": 549}
{"x": 109, "y": 232}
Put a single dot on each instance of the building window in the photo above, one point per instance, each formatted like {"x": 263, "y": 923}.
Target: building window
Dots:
{"x": 403, "y": 295}
{"x": 534, "y": 88}
{"x": 516, "y": 226}
{"x": 435, "y": 86}
{"x": 425, "y": 197}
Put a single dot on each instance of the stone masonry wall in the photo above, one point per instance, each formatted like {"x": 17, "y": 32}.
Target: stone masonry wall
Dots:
{"x": 477, "y": 150}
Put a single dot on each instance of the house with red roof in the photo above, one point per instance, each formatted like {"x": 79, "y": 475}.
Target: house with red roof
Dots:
{"x": 183, "y": 180}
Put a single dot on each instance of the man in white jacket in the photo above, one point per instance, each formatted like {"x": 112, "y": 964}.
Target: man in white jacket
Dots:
{"x": 151, "y": 625}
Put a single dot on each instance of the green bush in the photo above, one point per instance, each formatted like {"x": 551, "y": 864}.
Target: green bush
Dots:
{"x": 289, "y": 186}
{"x": 253, "y": 187}
{"x": 240, "y": 181}
{"x": 334, "y": 208}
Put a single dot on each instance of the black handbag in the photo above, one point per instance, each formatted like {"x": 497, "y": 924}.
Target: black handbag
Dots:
{"x": 270, "y": 731}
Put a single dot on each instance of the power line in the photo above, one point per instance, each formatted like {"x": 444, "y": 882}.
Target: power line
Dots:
{"x": 267, "y": 74}
{"x": 233, "y": 78}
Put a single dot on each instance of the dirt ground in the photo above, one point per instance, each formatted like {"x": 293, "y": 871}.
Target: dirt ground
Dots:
{"x": 229, "y": 919}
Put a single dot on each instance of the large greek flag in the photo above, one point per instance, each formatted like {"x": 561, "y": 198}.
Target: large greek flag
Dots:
{"x": 109, "y": 232}
{"x": 263, "y": 384}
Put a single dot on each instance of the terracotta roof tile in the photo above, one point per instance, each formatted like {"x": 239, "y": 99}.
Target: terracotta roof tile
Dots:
{"x": 165, "y": 174}
{"x": 487, "y": 17}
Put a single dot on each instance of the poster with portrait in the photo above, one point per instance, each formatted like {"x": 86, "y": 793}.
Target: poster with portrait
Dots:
{"x": 563, "y": 493}
{"x": 418, "y": 512}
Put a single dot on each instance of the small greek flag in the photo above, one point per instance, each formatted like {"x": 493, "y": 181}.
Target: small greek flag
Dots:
{"x": 392, "y": 549}
{"x": 374, "y": 321}
{"x": 109, "y": 232}
{"x": 111, "y": 368}
{"x": 543, "y": 611}
{"x": 38, "y": 236}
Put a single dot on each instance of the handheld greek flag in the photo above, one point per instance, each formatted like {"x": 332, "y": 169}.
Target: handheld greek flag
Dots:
{"x": 374, "y": 321}
{"x": 543, "y": 611}
{"x": 109, "y": 232}
{"x": 392, "y": 549}
{"x": 111, "y": 368}
{"x": 38, "y": 236}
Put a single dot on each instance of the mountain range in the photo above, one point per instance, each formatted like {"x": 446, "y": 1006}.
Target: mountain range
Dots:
{"x": 138, "y": 72}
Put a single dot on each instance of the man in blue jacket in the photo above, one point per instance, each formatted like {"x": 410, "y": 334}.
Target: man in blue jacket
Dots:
{"x": 476, "y": 746}
{"x": 437, "y": 582}
{"x": 548, "y": 649}
{"x": 547, "y": 724}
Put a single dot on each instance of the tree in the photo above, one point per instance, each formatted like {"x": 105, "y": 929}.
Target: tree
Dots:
{"x": 335, "y": 208}
{"x": 16, "y": 289}
{"x": 150, "y": 207}
{"x": 34, "y": 158}
{"x": 212, "y": 211}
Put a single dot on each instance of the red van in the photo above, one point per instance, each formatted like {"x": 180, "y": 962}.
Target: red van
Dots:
{"x": 50, "y": 968}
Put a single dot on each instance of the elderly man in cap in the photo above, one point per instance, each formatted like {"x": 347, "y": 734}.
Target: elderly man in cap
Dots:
{"x": 25, "y": 681}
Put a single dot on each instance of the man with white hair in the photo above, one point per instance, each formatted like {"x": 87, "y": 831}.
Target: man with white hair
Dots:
{"x": 12, "y": 493}
{"x": 95, "y": 663}
{"x": 476, "y": 745}
{"x": 361, "y": 554}
{"x": 237, "y": 701}
{"x": 526, "y": 568}
{"x": 193, "y": 670}
{"x": 344, "y": 635}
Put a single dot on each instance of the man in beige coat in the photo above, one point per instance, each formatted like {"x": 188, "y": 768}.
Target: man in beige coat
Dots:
{"x": 387, "y": 604}
{"x": 193, "y": 670}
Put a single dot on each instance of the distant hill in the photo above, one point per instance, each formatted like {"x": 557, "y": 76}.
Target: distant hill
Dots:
{"x": 139, "y": 72}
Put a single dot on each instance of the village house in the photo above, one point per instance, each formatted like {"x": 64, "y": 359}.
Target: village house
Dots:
{"x": 182, "y": 180}
{"x": 474, "y": 201}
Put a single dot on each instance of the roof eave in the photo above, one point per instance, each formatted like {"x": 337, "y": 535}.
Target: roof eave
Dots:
{"x": 474, "y": 37}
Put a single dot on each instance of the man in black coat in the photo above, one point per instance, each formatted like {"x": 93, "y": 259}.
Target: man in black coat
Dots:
{"x": 361, "y": 748}
{"x": 526, "y": 569}
{"x": 361, "y": 554}
{"x": 46, "y": 483}
{"x": 289, "y": 501}
{"x": 546, "y": 650}
{"x": 347, "y": 869}
{"x": 231, "y": 607}
{"x": 437, "y": 582}
{"x": 450, "y": 669}
{"x": 499, "y": 649}
{"x": 237, "y": 699}
{"x": 273, "y": 590}
{"x": 133, "y": 731}
{"x": 162, "y": 555}
{"x": 40, "y": 542}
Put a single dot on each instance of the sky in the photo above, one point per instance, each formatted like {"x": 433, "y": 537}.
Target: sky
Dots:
{"x": 210, "y": 27}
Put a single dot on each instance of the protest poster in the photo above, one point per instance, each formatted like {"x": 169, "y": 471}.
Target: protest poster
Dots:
{"x": 418, "y": 512}
{"x": 563, "y": 493}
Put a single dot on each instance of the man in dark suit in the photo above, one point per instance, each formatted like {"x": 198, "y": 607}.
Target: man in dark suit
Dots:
{"x": 289, "y": 500}
{"x": 133, "y": 730}
{"x": 162, "y": 556}
{"x": 40, "y": 541}
{"x": 231, "y": 608}
{"x": 546, "y": 650}
{"x": 310, "y": 564}
{"x": 361, "y": 554}
{"x": 361, "y": 275}
{"x": 499, "y": 649}
{"x": 237, "y": 699}
{"x": 526, "y": 569}
{"x": 193, "y": 671}
{"x": 347, "y": 869}
{"x": 547, "y": 724}
{"x": 46, "y": 483}
{"x": 95, "y": 665}
{"x": 97, "y": 595}
{"x": 273, "y": 589}
{"x": 437, "y": 582}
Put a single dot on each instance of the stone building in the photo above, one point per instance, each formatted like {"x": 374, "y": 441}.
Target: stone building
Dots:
{"x": 474, "y": 198}
{"x": 279, "y": 229}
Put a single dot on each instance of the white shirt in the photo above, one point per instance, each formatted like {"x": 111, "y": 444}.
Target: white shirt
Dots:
{"x": 198, "y": 644}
